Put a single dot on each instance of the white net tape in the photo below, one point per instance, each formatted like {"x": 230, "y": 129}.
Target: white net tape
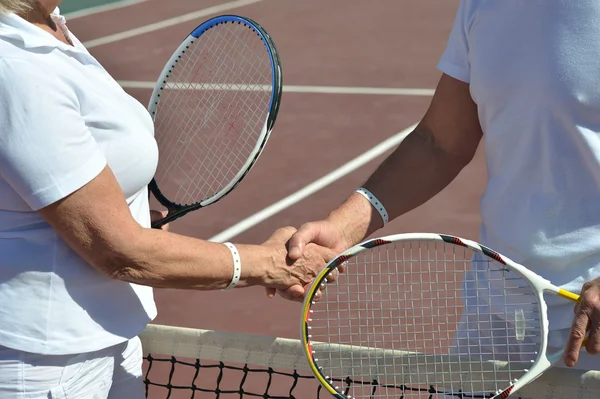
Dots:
{"x": 283, "y": 356}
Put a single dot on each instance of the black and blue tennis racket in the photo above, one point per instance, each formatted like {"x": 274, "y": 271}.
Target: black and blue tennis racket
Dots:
{"x": 214, "y": 107}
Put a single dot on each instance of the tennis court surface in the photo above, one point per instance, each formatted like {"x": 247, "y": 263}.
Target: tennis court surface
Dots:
{"x": 355, "y": 74}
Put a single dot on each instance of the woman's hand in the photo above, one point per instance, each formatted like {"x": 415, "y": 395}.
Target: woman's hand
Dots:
{"x": 290, "y": 278}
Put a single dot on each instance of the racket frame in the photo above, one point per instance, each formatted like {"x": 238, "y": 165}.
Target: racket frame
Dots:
{"x": 544, "y": 360}
{"x": 178, "y": 210}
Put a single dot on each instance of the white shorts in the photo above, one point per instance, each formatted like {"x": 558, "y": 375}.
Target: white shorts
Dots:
{"x": 111, "y": 373}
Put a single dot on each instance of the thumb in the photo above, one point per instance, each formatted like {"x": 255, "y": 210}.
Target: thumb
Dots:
{"x": 308, "y": 233}
{"x": 282, "y": 234}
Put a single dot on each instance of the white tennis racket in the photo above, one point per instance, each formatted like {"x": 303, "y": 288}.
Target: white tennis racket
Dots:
{"x": 214, "y": 107}
{"x": 427, "y": 314}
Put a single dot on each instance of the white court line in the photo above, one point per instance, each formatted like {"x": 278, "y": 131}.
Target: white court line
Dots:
{"x": 312, "y": 188}
{"x": 128, "y": 84}
{"x": 100, "y": 9}
{"x": 167, "y": 22}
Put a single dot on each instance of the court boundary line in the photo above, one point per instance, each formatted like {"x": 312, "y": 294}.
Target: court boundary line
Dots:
{"x": 390, "y": 91}
{"x": 127, "y": 34}
{"x": 85, "y": 12}
{"x": 317, "y": 185}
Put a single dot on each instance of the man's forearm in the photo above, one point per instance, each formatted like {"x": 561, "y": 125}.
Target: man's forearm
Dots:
{"x": 414, "y": 173}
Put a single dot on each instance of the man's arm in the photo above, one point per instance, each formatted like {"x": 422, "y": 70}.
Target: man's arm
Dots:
{"x": 424, "y": 163}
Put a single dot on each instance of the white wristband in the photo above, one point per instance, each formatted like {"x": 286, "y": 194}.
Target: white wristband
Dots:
{"x": 375, "y": 202}
{"x": 237, "y": 265}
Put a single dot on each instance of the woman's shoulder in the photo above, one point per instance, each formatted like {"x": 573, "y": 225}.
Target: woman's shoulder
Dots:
{"x": 16, "y": 70}
{"x": 18, "y": 67}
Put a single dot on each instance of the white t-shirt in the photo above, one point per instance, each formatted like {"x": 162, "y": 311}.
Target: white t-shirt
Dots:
{"x": 63, "y": 118}
{"x": 534, "y": 72}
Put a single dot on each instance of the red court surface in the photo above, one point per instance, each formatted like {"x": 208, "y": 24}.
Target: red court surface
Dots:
{"x": 357, "y": 43}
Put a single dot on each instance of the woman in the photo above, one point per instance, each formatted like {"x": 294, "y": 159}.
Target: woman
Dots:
{"x": 78, "y": 257}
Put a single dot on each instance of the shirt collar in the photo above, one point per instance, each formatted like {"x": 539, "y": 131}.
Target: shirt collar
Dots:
{"x": 15, "y": 28}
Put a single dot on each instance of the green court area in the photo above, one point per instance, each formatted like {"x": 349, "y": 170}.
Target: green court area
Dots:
{"x": 68, "y": 6}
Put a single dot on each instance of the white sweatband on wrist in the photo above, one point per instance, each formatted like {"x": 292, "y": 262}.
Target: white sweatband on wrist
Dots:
{"x": 237, "y": 265}
{"x": 375, "y": 202}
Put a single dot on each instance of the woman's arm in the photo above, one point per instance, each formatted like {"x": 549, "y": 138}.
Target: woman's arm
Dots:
{"x": 96, "y": 223}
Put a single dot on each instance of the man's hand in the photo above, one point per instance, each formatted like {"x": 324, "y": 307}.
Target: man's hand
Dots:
{"x": 323, "y": 233}
{"x": 587, "y": 318}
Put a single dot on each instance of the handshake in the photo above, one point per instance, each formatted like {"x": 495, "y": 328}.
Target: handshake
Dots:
{"x": 286, "y": 264}
{"x": 297, "y": 256}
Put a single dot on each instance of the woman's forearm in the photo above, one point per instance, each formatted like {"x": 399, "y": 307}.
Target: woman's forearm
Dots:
{"x": 167, "y": 260}
{"x": 97, "y": 224}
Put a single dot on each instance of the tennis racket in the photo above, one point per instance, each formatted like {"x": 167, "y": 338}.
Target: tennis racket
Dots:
{"x": 214, "y": 107}
{"x": 428, "y": 314}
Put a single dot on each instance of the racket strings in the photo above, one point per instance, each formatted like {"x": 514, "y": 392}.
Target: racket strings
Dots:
{"x": 246, "y": 104}
{"x": 192, "y": 129}
{"x": 430, "y": 314}
{"x": 211, "y": 113}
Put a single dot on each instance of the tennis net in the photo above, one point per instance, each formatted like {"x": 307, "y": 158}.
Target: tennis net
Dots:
{"x": 192, "y": 363}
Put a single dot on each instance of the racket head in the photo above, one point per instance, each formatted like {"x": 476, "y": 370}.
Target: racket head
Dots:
{"x": 359, "y": 339}
{"x": 214, "y": 106}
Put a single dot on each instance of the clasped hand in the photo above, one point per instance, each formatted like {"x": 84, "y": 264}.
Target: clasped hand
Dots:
{"x": 294, "y": 275}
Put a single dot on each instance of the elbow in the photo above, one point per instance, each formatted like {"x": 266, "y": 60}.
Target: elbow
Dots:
{"x": 463, "y": 157}
{"x": 463, "y": 153}
{"x": 119, "y": 267}
{"x": 137, "y": 274}
{"x": 120, "y": 262}
{"x": 122, "y": 272}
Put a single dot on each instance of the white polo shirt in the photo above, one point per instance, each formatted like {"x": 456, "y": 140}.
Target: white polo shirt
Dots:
{"x": 534, "y": 72}
{"x": 62, "y": 119}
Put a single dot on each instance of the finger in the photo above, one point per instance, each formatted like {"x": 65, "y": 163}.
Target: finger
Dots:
{"x": 332, "y": 277}
{"x": 270, "y": 292}
{"x": 294, "y": 293}
{"x": 297, "y": 291}
{"x": 156, "y": 216}
{"x": 165, "y": 226}
{"x": 592, "y": 346}
{"x": 286, "y": 295}
{"x": 307, "y": 233}
{"x": 317, "y": 296}
{"x": 576, "y": 337}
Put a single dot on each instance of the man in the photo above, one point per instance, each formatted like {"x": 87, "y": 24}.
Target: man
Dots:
{"x": 525, "y": 76}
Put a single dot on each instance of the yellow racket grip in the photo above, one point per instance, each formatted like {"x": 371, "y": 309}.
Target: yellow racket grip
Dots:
{"x": 568, "y": 295}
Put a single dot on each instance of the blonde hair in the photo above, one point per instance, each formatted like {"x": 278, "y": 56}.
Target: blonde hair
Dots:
{"x": 16, "y": 6}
